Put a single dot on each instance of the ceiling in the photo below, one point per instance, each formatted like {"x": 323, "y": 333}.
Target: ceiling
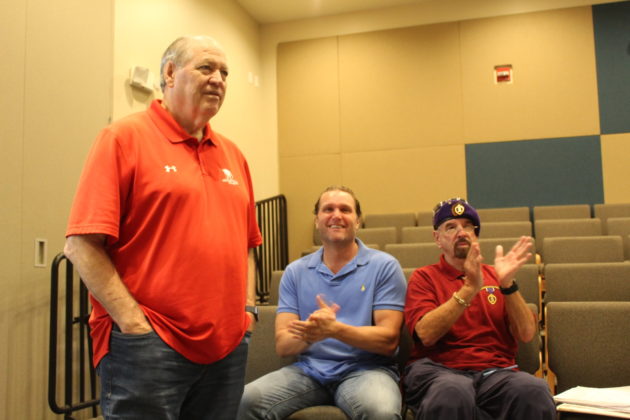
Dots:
{"x": 274, "y": 11}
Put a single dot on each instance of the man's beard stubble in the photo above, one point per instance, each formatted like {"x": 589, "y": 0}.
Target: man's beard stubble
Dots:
{"x": 461, "y": 252}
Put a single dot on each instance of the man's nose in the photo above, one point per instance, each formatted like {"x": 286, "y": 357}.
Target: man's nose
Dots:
{"x": 216, "y": 77}
{"x": 336, "y": 213}
{"x": 461, "y": 232}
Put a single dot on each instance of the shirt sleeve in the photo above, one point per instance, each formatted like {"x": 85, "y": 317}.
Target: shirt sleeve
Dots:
{"x": 102, "y": 188}
{"x": 253, "y": 231}
{"x": 287, "y": 293}
{"x": 421, "y": 298}
{"x": 391, "y": 287}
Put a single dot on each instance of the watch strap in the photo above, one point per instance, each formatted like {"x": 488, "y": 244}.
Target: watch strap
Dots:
{"x": 509, "y": 290}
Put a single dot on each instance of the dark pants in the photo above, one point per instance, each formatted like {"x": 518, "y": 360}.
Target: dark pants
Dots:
{"x": 143, "y": 378}
{"x": 436, "y": 392}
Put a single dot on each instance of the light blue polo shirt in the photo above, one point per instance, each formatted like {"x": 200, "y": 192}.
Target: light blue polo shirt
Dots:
{"x": 373, "y": 280}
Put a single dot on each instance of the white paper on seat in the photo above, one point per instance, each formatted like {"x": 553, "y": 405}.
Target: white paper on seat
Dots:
{"x": 604, "y": 401}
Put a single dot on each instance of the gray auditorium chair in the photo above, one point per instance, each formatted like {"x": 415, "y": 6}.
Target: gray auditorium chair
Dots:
{"x": 587, "y": 282}
{"x": 262, "y": 357}
{"x": 488, "y": 247}
{"x": 528, "y": 280}
{"x": 310, "y": 250}
{"x": 606, "y": 211}
{"x": 380, "y": 236}
{"x": 506, "y": 214}
{"x": 506, "y": 229}
{"x": 568, "y": 211}
{"x": 414, "y": 255}
{"x": 415, "y": 234}
{"x": 529, "y": 355}
{"x": 564, "y": 227}
{"x": 583, "y": 249}
{"x": 587, "y": 343}
{"x": 409, "y": 271}
{"x": 274, "y": 286}
{"x": 620, "y": 226}
{"x": 424, "y": 218}
{"x": 397, "y": 220}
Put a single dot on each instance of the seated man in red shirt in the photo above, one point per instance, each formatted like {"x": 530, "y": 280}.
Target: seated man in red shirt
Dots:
{"x": 466, "y": 318}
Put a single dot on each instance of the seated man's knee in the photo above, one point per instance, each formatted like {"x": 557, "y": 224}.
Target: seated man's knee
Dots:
{"x": 449, "y": 394}
{"x": 251, "y": 396}
{"x": 380, "y": 407}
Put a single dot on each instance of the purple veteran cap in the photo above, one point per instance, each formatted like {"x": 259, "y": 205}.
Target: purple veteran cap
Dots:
{"x": 455, "y": 208}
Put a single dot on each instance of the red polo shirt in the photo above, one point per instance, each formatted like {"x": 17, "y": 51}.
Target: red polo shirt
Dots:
{"x": 480, "y": 338}
{"x": 180, "y": 217}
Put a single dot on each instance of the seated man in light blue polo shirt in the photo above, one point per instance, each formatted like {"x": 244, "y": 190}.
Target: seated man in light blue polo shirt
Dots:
{"x": 340, "y": 311}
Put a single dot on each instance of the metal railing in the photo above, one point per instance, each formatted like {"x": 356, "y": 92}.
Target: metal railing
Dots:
{"x": 81, "y": 369}
{"x": 273, "y": 254}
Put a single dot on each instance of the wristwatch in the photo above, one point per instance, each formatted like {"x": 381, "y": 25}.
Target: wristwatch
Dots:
{"x": 252, "y": 310}
{"x": 509, "y": 290}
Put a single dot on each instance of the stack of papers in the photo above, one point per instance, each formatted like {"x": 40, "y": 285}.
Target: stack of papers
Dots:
{"x": 613, "y": 402}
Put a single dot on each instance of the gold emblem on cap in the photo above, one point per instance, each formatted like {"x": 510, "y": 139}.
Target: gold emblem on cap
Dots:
{"x": 458, "y": 209}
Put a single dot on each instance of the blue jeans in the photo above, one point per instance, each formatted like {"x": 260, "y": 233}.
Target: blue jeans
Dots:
{"x": 366, "y": 394}
{"x": 143, "y": 378}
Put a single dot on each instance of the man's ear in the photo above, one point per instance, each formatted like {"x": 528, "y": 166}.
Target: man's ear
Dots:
{"x": 436, "y": 235}
{"x": 168, "y": 74}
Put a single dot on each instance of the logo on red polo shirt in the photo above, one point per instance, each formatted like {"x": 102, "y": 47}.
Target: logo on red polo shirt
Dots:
{"x": 229, "y": 178}
{"x": 169, "y": 168}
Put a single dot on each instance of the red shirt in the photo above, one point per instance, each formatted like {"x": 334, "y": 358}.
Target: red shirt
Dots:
{"x": 480, "y": 338}
{"x": 180, "y": 217}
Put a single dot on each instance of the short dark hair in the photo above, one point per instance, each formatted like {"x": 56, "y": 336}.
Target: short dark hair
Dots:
{"x": 357, "y": 205}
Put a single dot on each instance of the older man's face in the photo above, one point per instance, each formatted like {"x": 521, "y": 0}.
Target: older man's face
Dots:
{"x": 454, "y": 237}
{"x": 199, "y": 85}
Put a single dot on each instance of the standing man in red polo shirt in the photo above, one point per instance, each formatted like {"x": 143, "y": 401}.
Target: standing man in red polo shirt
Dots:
{"x": 466, "y": 319}
{"x": 161, "y": 231}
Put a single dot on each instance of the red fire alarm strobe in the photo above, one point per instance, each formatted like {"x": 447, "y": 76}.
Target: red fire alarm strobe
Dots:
{"x": 503, "y": 74}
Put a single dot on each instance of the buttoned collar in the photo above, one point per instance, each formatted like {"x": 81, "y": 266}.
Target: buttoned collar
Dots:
{"x": 171, "y": 129}
{"x": 449, "y": 271}
{"x": 362, "y": 258}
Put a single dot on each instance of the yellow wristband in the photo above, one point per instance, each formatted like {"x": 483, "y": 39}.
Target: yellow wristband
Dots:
{"x": 460, "y": 300}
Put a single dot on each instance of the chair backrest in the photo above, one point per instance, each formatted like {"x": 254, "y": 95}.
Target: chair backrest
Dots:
{"x": 564, "y": 227}
{"x": 380, "y": 236}
{"x": 414, "y": 255}
{"x": 583, "y": 249}
{"x": 587, "y": 282}
{"x": 262, "y": 357}
{"x": 529, "y": 356}
{"x": 506, "y": 214}
{"x": 397, "y": 220}
{"x": 424, "y": 218}
{"x": 587, "y": 343}
{"x": 606, "y": 211}
{"x": 274, "y": 286}
{"x": 488, "y": 247}
{"x": 506, "y": 229}
{"x": 568, "y": 211}
{"x": 415, "y": 234}
{"x": 408, "y": 271}
{"x": 528, "y": 279}
{"x": 620, "y": 226}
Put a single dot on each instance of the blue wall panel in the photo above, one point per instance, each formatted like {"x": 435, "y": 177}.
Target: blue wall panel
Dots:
{"x": 611, "y": 25}
{"x": 535, "y": 172}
